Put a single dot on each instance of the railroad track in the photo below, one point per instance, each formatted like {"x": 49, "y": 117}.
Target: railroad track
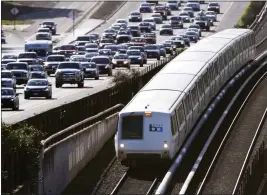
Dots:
{"x": 218, "y": 169}
{"x": 139, "y": 181}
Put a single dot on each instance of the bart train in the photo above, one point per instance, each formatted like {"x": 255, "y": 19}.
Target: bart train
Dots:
{"x": 155, "y": 123}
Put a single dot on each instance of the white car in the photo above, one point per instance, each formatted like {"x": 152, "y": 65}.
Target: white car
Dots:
{"x": 185, "y": 17}
{"x": 43, "y": 36}
{"x": 119, "y": 21}
{"x": 44, "y": 30}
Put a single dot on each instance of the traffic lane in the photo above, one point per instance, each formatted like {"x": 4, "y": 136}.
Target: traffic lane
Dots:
{"x": 159, "y": 39}
{"x": 233, "y": 12}
{"x": 58, "y": 14}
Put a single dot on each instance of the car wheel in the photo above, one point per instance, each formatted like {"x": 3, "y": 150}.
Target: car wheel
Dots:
{"x": 49, "y": 97}
{"x": 81, "y": 85}
{"x": 158, "y": 58}
{"x": 26, "y": 97}
{"x": 110, "y": 73}
{"x": 141, "y": 65}
{"x": 96, "y": 78}
{"x": 129, "y": 67}
{"x": 15, "y": 108}
{"x": 58, "y": 85}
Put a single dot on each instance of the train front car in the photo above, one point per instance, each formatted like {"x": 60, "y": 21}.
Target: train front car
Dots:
{"x": 143, "y": 137}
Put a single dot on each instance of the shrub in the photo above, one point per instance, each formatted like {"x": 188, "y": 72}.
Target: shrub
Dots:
{"x": 122, "y": 76}
{"x": 249, "y": 15}
{"x": 20, "y": 155}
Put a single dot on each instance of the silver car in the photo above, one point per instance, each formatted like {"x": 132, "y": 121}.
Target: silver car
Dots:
{"x": 196, "y": 26}
{"x": 194, "y": 30}
{"x": 211, "y": 15}
{"x": 90, "y": 70}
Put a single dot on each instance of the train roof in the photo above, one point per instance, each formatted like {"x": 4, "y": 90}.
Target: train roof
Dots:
{"x": 164, "y": 90}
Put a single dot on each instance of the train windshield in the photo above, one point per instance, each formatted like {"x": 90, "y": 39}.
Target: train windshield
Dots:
{"x": 132, "y": 127}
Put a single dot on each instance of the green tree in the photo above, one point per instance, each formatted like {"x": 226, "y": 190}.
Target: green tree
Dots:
{"x": 20, "y": 155}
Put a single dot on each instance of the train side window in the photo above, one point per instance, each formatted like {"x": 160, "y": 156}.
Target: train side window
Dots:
{"x": 194, "y": 95}
{"x": 206, "y": 80}
{"x": 200, "y": 85}
{"x": 211, "y": 73}
{"x": 177, "y": 120}
{"x": 173, "y": 125}
{"x": 181, "y": 116}
{"x": 216, "y": 67}
{"x": 187, "y": 104}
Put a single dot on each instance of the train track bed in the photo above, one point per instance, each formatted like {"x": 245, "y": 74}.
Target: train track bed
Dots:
{"x": 227, "y": 166}
{"x": 142, "y": 180}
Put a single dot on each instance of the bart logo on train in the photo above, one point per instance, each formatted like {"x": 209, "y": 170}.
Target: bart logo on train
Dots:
{"x": 155, "y": 128}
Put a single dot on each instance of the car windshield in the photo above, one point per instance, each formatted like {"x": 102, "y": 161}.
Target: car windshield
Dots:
{"x": 35, "y": 75}
{"x": 83, "y": 38}
{"x": 175, "y": 18}
{"x": 104, "y": 51}
{"x": 120, "y": 57}
{"x": 166, "y": 26}
{"x": 100, "y": 60}
{"x": 55, "y": 59}
{"x": 6, "y": 75}
{"x": 91, "y": 46}
{"x": 137, "y": 48}
{"x": 68, "y": 47}
{"x": 43, "y": 30}
{"x": 144, "y": 24}
{"x": 194, "y": 26}
{"x": 89, "y": 65}
{"x": 68, "y": 66}
{"x": 109, "y": 31}
{"x": 16, "y": 66}
{"x": 37, "y": 83}
{"x": 48, "y": 23}
{"x": 172, "y": 1}
{"x": 135, "y": 14}
{"x": 188, "y": 9}
{"x": 36, "y": 68}
{"x": 133, "y": 53}
{"x": 159, "y": 8}
{"x": 121, "y": 21}
{"x": 213, "y": 4}
{"x": 190, "y": 33}
{"x": 106, "y": 41}
{"x": 177, "y": 38}
{"x": 90, "y": 55}
{"x": 167, "y": 45}
{"x": 27, "y": 55}
{"x": 133, "y": 27}
{"x": 79, "y": 59}
{"x": 183, "y": 14}
{"x": 112, "y": 47}
{"x": 148, "y": 20}
{"x": 9, "y": 57}
{"x": 122, "y": 33}
{"x": 211, "y": 13}
{"x": 138, "y": 40}
{"x": 7, "y": 92}
{"x": 151, "y": 47}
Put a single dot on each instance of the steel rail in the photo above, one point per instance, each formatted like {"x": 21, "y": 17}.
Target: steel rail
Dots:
{"x": 253, "y": 142}
{"x": 200, "y": 189}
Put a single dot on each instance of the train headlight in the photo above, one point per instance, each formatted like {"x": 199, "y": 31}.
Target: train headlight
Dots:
{"x": 122, "y": 145}
{"x": 165, "y": 145}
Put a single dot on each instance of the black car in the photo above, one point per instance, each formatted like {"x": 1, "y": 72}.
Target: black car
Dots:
{"x": 145, "y": 9}
{"x": 135, "y": 31}
{"x": 186, "y": 40}
{"x": 104, "y": 64}
{"x": 123, "y": 39}
{"x": 168, "y": 48}
{"x": 114, "y": 48}
{"x": 9, "y": 98}
{"x": 176, "y": 22}
{"x": 142, "y": 50}
{"x": 51, "y": 25}
{"x": 38, "y": 88}
{"x": 214, "y": 7}
{"x": 136, "y": 57}
{"x": 145, "y": 27}
{"x": 150, "y": 38}
{"x": 153, "y": 51}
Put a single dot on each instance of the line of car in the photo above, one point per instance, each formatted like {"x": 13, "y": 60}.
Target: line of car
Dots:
{"x": 91, "y": 55}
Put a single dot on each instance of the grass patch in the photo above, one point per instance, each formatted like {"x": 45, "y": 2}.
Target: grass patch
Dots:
{"x": 249, "y": 15}
{"x": 11, "y": 22}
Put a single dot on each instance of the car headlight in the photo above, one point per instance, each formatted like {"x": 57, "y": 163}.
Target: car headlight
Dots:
{"x": 114, "y": 61}
{"x": 125, "y": 62}
{"x": 12, "y": 99}
{"x": 46, "y": 89}
{"x": 139, "y": 58}
{"x": 107, "y": 66}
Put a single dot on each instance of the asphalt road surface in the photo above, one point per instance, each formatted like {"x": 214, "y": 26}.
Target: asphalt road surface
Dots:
{"x": 230, "y": 14}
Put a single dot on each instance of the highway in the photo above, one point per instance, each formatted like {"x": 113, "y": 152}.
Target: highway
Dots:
{"x": 58, "y": 13}
{"x": 230, "y": 14}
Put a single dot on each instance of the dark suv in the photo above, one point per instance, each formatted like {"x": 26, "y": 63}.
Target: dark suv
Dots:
{"x": 70, "y": 73}
{"x": 104, "y": 64}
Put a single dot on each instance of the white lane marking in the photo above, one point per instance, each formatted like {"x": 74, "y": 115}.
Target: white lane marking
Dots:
{"x": 228, "y": 8}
